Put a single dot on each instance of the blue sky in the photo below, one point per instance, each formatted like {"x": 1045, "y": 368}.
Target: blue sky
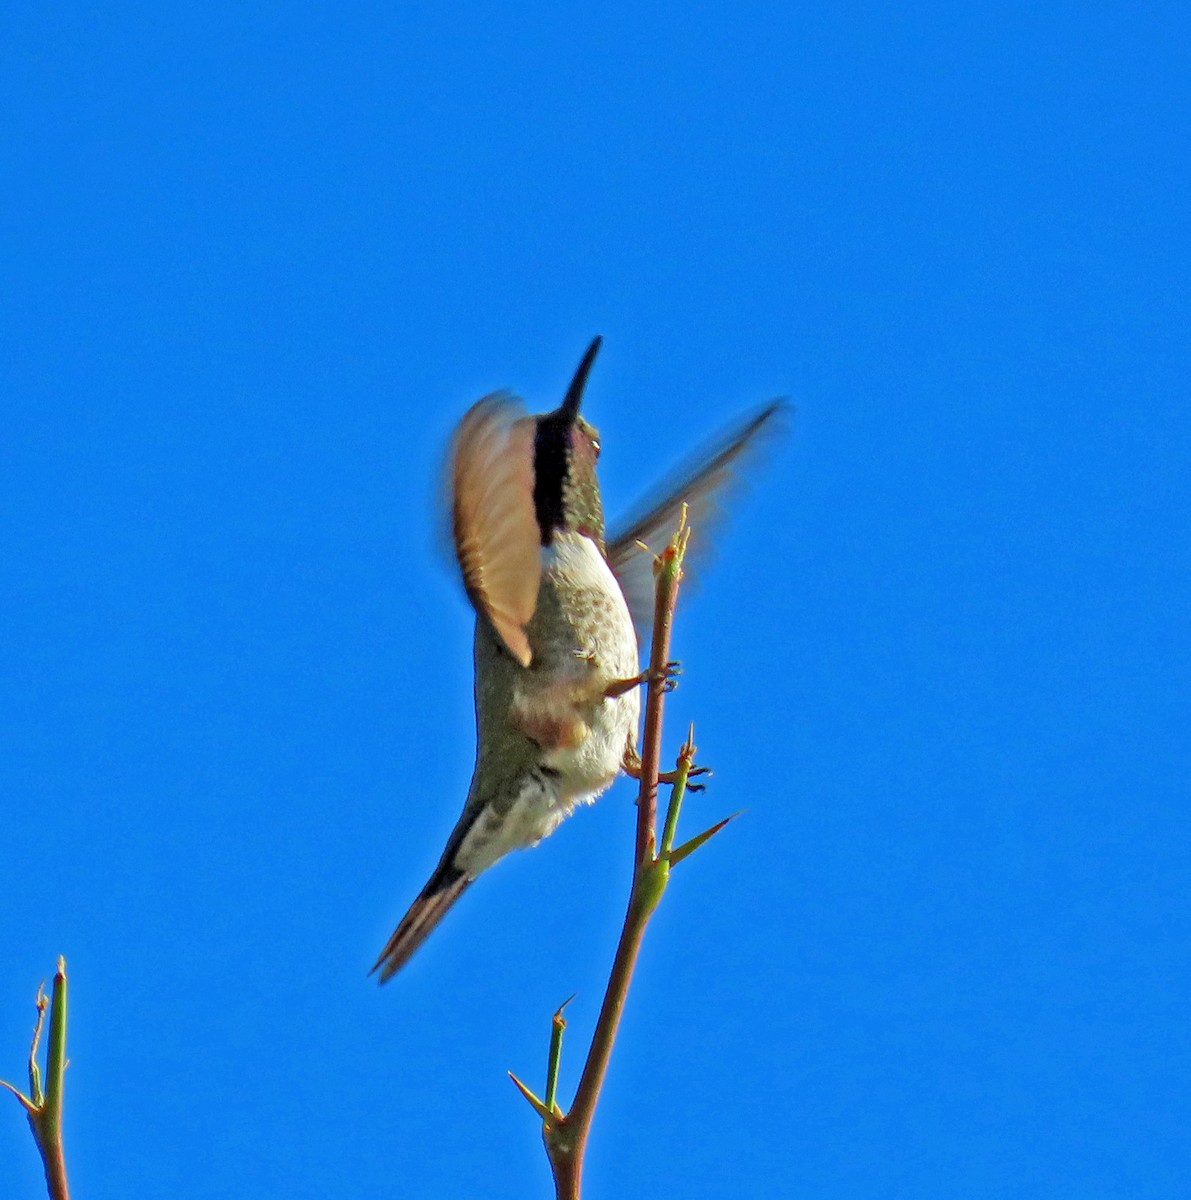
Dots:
{"x": 256, "y": 266}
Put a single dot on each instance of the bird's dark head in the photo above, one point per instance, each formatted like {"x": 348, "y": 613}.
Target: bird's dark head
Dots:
{"x": 566, "y": 494}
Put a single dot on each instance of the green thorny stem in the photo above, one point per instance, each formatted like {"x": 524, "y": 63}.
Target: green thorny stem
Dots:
{"x": 565, "y": 1134}
{"x": 44, "y": 1108}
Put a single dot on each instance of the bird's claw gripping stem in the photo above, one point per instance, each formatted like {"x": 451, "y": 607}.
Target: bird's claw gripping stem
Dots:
{"x": 631, "y": 765}
{"x": 667, "y": 677}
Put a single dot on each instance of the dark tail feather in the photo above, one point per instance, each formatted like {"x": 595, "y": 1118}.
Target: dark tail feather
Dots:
{"x": 445, "y": 886}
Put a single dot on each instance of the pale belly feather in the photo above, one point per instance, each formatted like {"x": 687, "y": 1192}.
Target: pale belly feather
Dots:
{"x": 596, "y": 648}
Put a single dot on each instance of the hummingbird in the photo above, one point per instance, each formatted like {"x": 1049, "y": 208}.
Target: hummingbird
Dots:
{"x": 558, "y": 608}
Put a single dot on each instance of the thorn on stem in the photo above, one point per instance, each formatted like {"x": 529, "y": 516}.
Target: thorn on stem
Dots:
{"x": 689, "y": 847}
{"x": 532, "y": 1100}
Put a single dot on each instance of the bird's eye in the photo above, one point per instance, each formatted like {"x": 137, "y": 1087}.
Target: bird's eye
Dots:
{"x": 595, "y": 445}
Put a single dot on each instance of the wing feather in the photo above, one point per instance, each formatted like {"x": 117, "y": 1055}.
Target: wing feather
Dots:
{"x": 701, "y": 485}
{"x": 495, "y": 528}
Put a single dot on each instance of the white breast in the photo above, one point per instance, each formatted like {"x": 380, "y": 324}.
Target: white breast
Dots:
{"x": 574, "y": 566}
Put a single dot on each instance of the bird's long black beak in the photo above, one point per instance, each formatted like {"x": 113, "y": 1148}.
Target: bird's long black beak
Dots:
{"x": 569, "y": 408}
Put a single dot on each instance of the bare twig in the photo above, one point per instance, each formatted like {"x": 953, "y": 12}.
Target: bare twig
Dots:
{"x": 565, "y": 1135}
{"x": 44, "y": 1108}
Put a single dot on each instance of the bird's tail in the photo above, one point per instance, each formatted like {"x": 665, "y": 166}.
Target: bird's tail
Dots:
{"x": 443, "y": 888}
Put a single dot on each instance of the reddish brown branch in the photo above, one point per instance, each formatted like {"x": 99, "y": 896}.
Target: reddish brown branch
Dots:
{"x": 566, "y": 1136}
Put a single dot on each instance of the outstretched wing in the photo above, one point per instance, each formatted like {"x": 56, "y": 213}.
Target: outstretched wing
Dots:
{"x": 493, "y": 521}
{"x": 700, "y": 485}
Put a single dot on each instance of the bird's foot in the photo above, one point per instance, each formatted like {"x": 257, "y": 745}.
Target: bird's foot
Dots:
{"x": 630, "y": 764}
{"x": 667, "y": 677}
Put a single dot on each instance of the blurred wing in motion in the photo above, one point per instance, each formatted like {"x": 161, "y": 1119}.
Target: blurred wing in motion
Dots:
{"x": 701, "y": 484}
{"x": 493, "y": 521}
